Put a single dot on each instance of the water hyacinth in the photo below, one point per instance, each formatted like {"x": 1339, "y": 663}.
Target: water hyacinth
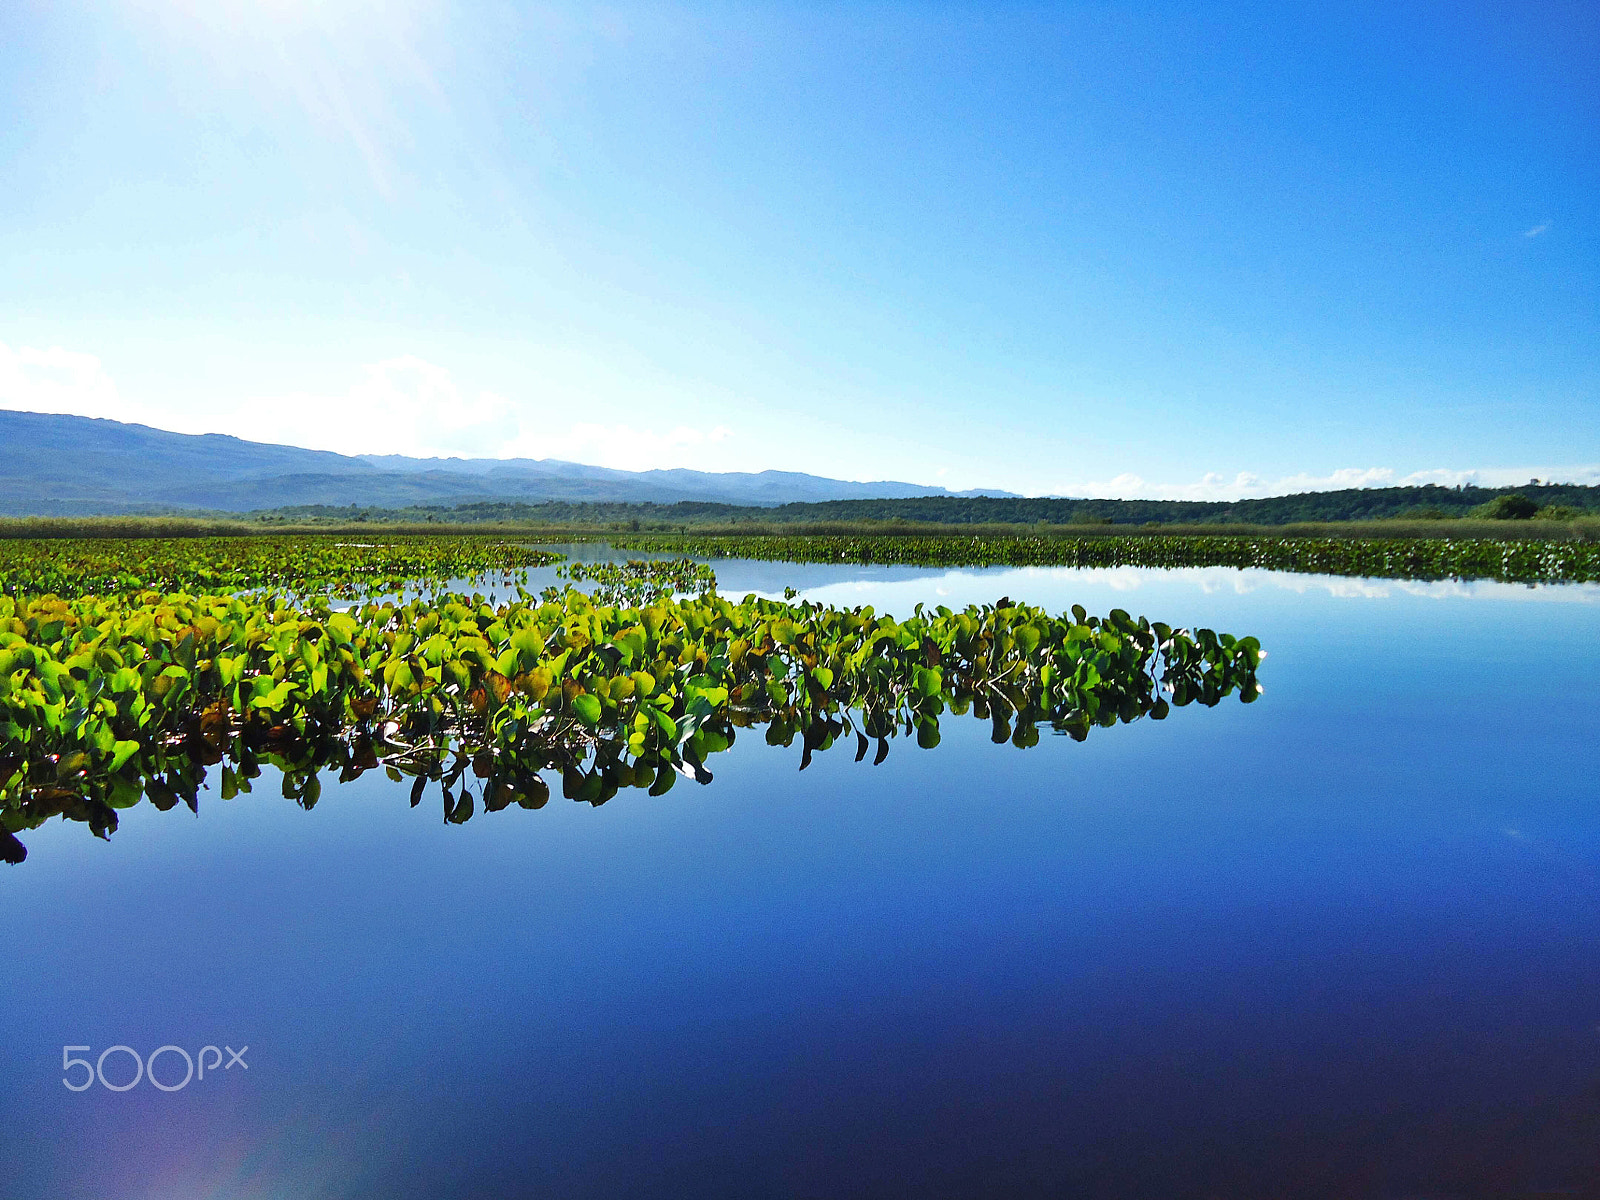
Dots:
{"x": 1380, "y": 558}
{"x": 105, "y": 700}
{"x": 328, "y": 564}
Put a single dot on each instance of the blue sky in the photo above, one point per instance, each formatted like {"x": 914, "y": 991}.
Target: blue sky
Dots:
{"x": 1133, "y": 250}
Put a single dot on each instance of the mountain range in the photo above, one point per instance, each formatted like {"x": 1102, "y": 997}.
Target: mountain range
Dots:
{"x": 53, "y": 465}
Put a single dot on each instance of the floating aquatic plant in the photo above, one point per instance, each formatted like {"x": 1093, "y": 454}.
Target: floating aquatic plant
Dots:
{"x": 107, "y": 700}
{"x": 327, "y": 564}
{"x": 1387, "y": 558}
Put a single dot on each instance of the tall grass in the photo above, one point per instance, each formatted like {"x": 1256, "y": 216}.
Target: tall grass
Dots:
{"x": 1582, "y": 529}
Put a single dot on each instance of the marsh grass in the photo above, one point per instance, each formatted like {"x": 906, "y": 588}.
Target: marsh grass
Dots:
{"x": 1580, "y": 529}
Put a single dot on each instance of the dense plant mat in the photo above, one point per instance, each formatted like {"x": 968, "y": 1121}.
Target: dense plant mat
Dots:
{"x": 105, "y": 700}
{"x": 1383, "y": 558}
{"x": 335, "y": 565}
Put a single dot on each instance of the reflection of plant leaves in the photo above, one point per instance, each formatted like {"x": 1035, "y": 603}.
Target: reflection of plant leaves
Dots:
{"x": 533, "y": 792}
{"x": 459, "y": 812}
{"x": 643, "y": 695}
{"x": 694, "y": 770}
{"x": 165, "y": 798}
{"x": 11, "y": 850}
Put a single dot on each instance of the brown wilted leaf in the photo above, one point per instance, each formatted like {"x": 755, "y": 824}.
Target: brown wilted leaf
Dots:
{"x": 214, "y": 719}
{"x": 534, "y": 683}
{"x": 499, "y": 686}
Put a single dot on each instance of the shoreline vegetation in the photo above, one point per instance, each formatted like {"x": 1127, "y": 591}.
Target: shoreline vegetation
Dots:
{"x": 1505, "y": 560}
{"x": 1585, "y": 528}
{"x": 48, "y": 556}
{"x": 1534, "y": 510}
{"x": 1579, "y": 529}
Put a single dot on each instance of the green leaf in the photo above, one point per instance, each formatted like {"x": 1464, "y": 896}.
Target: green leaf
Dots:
{"x": 274, "y": 699}
{"x": 587, "y": 708}
{"x": 666, "y": 724}
{"x": 528, "y": 642}
{"x": 121, "y": 752}
{"x": 713, "y": 694}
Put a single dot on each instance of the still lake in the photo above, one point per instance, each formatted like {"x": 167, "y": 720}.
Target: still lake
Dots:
{"x": 1340, "y": 942}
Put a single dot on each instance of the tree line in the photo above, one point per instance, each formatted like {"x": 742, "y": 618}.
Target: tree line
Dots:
{"x": 1429, "y": 501}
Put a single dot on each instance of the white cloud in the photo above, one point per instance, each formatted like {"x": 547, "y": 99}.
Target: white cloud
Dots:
{"x": 57, "y": 380}
{"x": 403, "y": 405}
{"x": 399, "y": 406}
{"x": 1245, "y": 484}
{"x": 1536, "y": 230}
{"x": 1215, "y": 486}
{"x": 1587, "y": 473}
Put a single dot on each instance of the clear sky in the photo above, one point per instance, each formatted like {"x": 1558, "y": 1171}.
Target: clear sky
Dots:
{"x": 1137, "y": 249}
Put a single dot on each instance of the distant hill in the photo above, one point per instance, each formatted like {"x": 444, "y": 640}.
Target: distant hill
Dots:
{"x": 62, "y": 466}
{"x": 70, "y": 466}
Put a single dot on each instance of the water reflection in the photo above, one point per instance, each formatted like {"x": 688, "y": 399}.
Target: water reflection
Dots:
{"x": 1057, "y": 588}
{"x": 819, "y": 676}
{"x": 1339, "y": 943}
{"x": 1042, "y": 585}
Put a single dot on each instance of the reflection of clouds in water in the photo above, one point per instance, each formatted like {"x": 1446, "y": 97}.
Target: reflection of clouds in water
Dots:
{"x": 896, "y": 587}
{"x": 1343, "y": 589}
{"x": 1443, "y": 589}
{"x": 1245, "y": 581}
{"x": 1482, "y": 589}
{"x": 1228, "y": 580}
{"x": 1028, "y": 583}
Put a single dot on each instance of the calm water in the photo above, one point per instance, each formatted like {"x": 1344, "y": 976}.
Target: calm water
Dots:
{"x": 1342, "y": 942}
